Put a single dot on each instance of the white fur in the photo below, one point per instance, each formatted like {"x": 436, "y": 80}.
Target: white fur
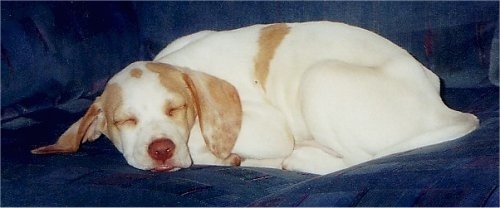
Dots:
{"x": 344, "y": 87}
{"x": 335, "y": 96}
{"x": 144, "y": 99}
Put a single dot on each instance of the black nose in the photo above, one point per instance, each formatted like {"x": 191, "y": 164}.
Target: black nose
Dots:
{"x": 161, "y": 149}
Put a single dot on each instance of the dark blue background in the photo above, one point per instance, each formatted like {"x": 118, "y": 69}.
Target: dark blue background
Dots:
{"x": 57, "y": 56}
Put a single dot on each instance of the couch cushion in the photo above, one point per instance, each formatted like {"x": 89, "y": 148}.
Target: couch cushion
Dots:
{"x": 462, "y": 172}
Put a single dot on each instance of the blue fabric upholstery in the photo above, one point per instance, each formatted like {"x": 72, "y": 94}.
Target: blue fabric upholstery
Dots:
{"x": 57, "y": 56}
{"x": 463, "y": 172}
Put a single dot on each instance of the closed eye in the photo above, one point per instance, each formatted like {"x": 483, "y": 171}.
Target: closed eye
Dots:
{"x": 172, "y": 111}
{"x": 132, "y": 121}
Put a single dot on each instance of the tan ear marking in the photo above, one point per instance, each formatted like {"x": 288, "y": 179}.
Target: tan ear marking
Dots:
{"x": 112, "y": 100}
{"x": 270, "y": 38}
{"x": 219, "y": 111}
{"x": 169, "y": 76}
{"x": 71, "y": 139}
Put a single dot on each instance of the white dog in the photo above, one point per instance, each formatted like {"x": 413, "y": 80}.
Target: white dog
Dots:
{"x": 315, "y": 97}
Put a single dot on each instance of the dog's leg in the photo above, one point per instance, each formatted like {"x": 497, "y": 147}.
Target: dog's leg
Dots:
{"x": 344, "y": 111}
{"x": 459, "y": 125}
{"x": 264, "y": 139}
{"x": 201, "y": 155}
{"x": 312, "y": 157}
{"x": 364, "y": 112}
{"x": 264, "y": 134}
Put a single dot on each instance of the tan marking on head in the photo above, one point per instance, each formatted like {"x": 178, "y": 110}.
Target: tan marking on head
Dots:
{"x": 169, "y": 76}
{"x": 215, "y": 101}
{"x": 179, "y": 112}
{"x": 270, "y": 38}
{"x": 111, "y": 102}
{"x": 172, "y": 79}
{"x": 137, "y": 73}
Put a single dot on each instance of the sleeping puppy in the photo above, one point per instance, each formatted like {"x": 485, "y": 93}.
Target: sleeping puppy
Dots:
{"x": 314, "y": 97}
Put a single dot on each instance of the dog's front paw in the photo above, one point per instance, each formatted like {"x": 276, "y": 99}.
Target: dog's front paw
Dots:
{"x": 306, "y": 159}
{"x": 233, "y": 160}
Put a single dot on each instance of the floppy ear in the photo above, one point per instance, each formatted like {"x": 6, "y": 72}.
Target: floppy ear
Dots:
{"x": 219, "y": 111}
{"x": 85, "y": 129}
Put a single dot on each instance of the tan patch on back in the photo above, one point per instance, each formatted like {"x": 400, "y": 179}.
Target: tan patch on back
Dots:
{"x": 270, "y": 38}
{"x": 137, "y": 73}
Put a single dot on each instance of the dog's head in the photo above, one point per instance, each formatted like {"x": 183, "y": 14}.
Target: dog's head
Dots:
{"x": 148, "y": 109}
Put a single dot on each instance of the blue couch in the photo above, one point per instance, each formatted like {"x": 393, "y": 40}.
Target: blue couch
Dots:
{"x": 57, "y": 57}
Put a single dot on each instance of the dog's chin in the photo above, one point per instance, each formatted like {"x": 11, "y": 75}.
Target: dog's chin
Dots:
{"x": 165, "y": 168}
{"x": 168, "y": 166}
